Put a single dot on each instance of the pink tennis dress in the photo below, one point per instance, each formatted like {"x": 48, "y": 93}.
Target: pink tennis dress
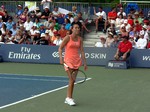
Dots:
{"x": 72, "y": 54}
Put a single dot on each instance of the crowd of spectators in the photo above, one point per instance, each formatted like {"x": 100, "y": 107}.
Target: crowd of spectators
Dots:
{"x": 49, "y": 26}
{"x": 117, "y": 23}
{"x": 38, "y": 27}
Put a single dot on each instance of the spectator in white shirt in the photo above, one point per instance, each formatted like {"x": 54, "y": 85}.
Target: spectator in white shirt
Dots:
{"x": 127, "y": 25}
{"x": 141, "y": 42}
{"x": 100, "y": 13}
{"x": 101, "y": 43}
{"x": 145, "y": 30}
{"x": 28, "y": 24}
{"x": 121, "y": 12}
{"x": 58, "y": 40}
{"x": 101, "y": 17}
{"x": 55, "y": 12}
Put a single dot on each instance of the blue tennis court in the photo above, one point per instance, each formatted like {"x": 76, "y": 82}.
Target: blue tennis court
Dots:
{"x": 18, "y": 88}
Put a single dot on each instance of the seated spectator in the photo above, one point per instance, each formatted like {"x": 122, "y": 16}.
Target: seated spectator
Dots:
{"x": 83, "y": 22}
{"x": 17, "y": 37}
{"x": 145, "y": 30}
{"x": 100, "y": 20}
{"x": 138, "y": 26}
{"x": 101, "y": 43}
{"x": 55, "y": 12}
{"x": 127, "y": 25}
{"x": 9, "y": 23}
{"x": 47, "y": 37}
{"x": 109, "y": 39}
{"x": 123, "y": 30}
{"x": 58, "y": 40}
{"x": 137, "y": 18}
{"x": 60, "y": 19}
{"x": 130, "y": 20}
{"x": 54, "y": 37}
{"x": 23, "y": 17}
{"x": 141, "y": 13}
{"x": 38, "y": 12}
{"x": 8, "y": 37}
{"x": 52, "y": 29}
{"x": 133, "y": 36}
{"x": 112, "y": 15}
{"x": 37, "y": 37}
{"x": 146, "y": 21}
{"x": 119, "y": 21}
{"x": 141, "y": 42}
{"x": 57, "y": 25}
{"x": 48, "y": 23}
{"x": 28, "y": 24}
{"x": 5, "y": 17}
{"x": 33, "y": 31}
{"x": 76, "y": 21}
{"x": 45, "y": 13}
{"x": 26, "y": 38}
{"x": 67, "y": 24}
{"x": 42, "y": 40}
{"x": 100, "y": 12}
{"x": 32, "y": 16}
{"x": 62, "y": 31}
{"x": 70, "y": 17}
{"x": 116, "y": 42}
{"x": 42, "y": 29}
{"x": 19, "y": 11}
{"x": 132, "y": 11}
{"x": 37, "y": 23}
{"x": 14, "y": 29}
{"x": 121, "y": 12}
{"x": 124, "y": 49}
{"x": 74, "y": 11}
{"x": 26, "y": 10}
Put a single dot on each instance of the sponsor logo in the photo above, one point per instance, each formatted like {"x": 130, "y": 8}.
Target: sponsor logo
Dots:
{"x": 87, "y": 55}
{"x": 24, "y": 54}
{"x": 56, "y": 54}
{"x": 146, "y": 58}
{"x": 95, "y": 55}
{"x": 110, "y": 64}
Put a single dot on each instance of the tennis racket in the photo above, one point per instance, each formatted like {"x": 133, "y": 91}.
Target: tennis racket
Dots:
{"x": 78, "y": 76}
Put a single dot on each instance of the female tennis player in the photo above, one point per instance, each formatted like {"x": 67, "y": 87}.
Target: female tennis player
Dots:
{"x": 73, "y": 48}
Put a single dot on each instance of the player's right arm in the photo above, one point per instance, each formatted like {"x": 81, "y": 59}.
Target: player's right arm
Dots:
{"x": 63, "y": 44}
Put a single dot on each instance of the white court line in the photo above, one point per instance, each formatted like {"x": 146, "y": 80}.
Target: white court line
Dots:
{"x": 32, "y": 79}
{"x": 35, "y": 96}
{"x": 12, "y": 74}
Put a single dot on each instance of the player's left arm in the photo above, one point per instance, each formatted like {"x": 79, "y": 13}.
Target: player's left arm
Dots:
{"x": 83, "y": 54}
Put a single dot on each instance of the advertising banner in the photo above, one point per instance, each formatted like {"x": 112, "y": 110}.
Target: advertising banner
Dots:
{"x": 49, "y": 54}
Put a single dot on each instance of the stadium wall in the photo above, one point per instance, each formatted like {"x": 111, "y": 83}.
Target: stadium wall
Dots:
{"x": 49, "y": 54}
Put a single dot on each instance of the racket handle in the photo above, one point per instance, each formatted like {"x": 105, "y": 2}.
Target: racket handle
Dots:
{"x": 66, "y": 65}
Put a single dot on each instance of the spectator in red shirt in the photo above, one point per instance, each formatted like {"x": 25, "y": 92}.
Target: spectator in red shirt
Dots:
{"x": 62, "y": 31}
{"x": 130, "y": 20}
{"x": 138, "y": 26}
{"x": 113, "y": 14}
{"x": 124, "y": 49}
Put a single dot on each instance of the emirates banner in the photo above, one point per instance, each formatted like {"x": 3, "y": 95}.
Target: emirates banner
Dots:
{"x": 49, "y": 54}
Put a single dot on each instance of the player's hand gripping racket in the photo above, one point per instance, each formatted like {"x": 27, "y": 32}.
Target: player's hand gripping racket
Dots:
{"x": 78, "y": 76}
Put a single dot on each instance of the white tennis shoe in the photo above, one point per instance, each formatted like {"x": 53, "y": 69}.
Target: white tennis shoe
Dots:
{"x": 70, "y": 101}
